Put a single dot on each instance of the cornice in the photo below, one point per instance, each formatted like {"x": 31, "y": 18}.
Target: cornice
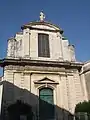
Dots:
{"x": 28, "y": 62}
{"x": 30, "y": 26}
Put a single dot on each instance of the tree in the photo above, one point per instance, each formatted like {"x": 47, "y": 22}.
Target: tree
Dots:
{"x": 83, "y": 107}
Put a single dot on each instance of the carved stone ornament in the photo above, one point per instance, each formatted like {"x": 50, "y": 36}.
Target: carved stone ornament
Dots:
{"x": 42, "y": 16}
{"x": 45, "y": 82}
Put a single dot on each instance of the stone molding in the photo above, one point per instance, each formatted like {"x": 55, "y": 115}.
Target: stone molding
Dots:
{"x": 28, "y": 62}
{"x": 45, "y": 81}
{"x": 40, "y": 70}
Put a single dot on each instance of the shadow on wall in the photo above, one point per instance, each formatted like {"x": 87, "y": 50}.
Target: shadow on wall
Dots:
{"x": 21, "y": 104}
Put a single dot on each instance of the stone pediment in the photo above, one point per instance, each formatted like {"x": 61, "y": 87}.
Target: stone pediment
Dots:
{"x": 45, "y": 80}
{"x": 42, "y": 25}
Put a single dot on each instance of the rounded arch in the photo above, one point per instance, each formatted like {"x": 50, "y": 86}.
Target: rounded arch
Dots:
{"x": 46, "y": 86}
{"x": 46, "y": 94}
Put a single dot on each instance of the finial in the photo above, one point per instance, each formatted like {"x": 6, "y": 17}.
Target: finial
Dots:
{"x": 42, "y": 16}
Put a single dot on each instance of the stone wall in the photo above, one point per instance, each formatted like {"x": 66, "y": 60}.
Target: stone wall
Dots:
{"x": 25, "y": 44}
{"x": 23, "y": 81}
{"x": 85, "y": 74}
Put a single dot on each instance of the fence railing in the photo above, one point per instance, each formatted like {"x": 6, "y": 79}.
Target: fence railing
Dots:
{"x": 82, "y": 116}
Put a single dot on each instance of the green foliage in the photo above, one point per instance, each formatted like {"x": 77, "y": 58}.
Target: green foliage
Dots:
{"x": 83, "y": 107}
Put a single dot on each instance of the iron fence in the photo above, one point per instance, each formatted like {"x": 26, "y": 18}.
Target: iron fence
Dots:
{"x": 82, "y": 116}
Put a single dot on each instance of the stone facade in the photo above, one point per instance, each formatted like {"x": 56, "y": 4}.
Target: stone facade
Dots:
{"x": 25, "y": 73}
{"x": 29, "y": 37}
{"x": 85, "y": 76}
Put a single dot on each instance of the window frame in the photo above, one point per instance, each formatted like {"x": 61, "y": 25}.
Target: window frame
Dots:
{"x": 43, "y": 45}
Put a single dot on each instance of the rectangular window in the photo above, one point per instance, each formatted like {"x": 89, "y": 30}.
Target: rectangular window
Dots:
{"x": 43, "y": 45}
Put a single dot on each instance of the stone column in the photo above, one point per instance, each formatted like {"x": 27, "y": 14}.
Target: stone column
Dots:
{"x": 78, "y": 87}
{"x": 71, "y": 92}
{"x": 55, "y": 46}
{"x": 26, "y": 42}
{"x": 84, "y": 89}
{"x": 34, "y": 44}
{"x": 11, "y": 47}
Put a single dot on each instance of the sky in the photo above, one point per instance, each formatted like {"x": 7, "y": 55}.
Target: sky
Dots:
{"x": 73, "y": 16}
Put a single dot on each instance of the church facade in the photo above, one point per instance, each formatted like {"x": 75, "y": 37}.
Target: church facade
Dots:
{"x": 41, "y": 70}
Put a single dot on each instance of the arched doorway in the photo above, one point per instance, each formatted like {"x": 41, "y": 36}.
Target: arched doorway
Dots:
{"x": 46, "y": 104}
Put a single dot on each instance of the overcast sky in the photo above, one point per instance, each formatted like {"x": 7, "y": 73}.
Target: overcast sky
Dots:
{"x": 73, "y": 16}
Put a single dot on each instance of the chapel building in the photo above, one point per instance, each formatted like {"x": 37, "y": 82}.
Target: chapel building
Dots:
{"x": 41, "y": 70}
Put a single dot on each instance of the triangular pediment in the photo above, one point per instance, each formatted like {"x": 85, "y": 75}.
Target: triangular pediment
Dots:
{"x": 45, "y": 80}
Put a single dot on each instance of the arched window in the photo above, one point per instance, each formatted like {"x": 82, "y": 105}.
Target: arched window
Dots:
{"x": 46, "y": 103}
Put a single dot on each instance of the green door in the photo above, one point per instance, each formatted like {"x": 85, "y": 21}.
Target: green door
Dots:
{"x": 46, "y": 104}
